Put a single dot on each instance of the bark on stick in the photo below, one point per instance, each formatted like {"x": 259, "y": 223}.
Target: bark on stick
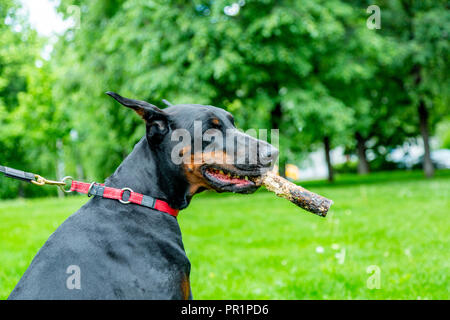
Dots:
{"x": 301, "y": 197}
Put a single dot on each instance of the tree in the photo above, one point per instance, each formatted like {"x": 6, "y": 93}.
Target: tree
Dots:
{"x": 18, "y": 54}
{"x": 254, "y": 61}
{"x": 294, "y": 66}
{"x": 421, "y": 29}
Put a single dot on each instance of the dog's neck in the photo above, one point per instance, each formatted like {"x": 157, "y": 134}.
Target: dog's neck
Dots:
{"x": 146, "y": 173}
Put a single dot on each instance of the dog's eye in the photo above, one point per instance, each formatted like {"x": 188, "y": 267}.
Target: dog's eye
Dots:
{"x": 215, "y": 123}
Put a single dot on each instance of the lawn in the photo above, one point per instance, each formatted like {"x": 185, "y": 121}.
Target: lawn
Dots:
{"x": 263, "y": 247}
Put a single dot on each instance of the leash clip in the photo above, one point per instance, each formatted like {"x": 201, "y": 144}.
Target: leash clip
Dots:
{"x": 41, "y": 181}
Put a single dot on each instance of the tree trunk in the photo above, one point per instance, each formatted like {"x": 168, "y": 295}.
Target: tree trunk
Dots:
{"x": 282, "y": 168}
{"x": 363, "y": 164}
{"x": 326, "y": 143}
{"x": 423, "y": 117}
{"x": 275, "y": 119}
{"x": 424, "y": 131}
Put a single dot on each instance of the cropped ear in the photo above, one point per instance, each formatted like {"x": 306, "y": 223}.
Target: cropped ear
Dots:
{"x": 146, "y": 110}
{"x": 155, "y": 118}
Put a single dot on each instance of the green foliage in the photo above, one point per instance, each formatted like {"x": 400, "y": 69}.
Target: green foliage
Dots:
{"x": 346, "y": 167}
{"x": 24, "y": 103}
{"x": 443, "y": 133}
{"x": 311, "y": 69}
{"x": 421, "y": 30}
{"x": 271, "y": 55}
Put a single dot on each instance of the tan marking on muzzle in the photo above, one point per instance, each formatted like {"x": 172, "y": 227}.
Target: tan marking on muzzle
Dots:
{"x": 193, "y": 164}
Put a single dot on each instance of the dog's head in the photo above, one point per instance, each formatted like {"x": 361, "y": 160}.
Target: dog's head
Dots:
{"x": 202, "y": 143}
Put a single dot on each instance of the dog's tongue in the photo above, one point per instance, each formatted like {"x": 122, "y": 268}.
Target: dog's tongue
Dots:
{"x": 229, "y": 179}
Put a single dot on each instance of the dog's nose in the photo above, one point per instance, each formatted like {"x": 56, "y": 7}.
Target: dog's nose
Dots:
{"x": 272, "y": 153}
{"x": 269, "y": 155}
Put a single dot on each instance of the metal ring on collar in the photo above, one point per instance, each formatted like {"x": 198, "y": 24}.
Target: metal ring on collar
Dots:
{"x": 121, "y": 200}
{"x": 89, "y": 190}
{"x": 63, "y": 188}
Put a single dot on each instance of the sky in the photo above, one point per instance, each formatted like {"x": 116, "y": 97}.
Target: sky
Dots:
{"x": 43, "y": 17}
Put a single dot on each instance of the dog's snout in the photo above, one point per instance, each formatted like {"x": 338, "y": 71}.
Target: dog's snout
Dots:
{"x": 254, "y": 154}
{"x": 271, "y": 153}
{"x": 268, "y": 155}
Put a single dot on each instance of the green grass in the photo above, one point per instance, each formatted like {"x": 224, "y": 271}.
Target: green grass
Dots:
{"x": 263, "y": 247}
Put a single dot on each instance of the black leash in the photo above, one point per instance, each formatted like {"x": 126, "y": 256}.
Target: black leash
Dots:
{"x": 92, "y": 189}
{"x": 18, "y": 174}
{"x": 33, "y": 178}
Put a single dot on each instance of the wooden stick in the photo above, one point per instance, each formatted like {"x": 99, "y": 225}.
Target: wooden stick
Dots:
{"x": 301, "y": 197}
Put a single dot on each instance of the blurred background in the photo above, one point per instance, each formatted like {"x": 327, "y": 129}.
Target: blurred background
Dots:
{"x": 360, "y": 95}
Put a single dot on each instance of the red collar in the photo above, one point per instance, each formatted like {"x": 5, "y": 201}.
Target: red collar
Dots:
{"x": 95, "y": 189}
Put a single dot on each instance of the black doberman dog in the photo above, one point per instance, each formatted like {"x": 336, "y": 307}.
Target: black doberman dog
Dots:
{"x": 130, "y": 251}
